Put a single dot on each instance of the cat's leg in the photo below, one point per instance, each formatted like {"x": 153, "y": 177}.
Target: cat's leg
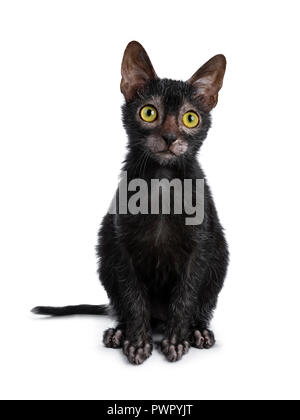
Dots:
{"x": 183, "y": 302}
{"x": 193, "y": 300}
{"x": 131, "y": 306}
{"x": 128, "y": 297}
{"x": 201, "y": 335}
{"x": 134, "y": 310}
{"x": 133, "y": 332}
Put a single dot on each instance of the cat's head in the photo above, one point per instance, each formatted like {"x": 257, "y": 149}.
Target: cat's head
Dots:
{"x": 167, "y": 119}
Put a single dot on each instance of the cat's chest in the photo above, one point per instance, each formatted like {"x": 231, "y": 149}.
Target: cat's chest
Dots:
{"x": 161, "y": 231}
{"x": 159, "y": 240}
{"x": 162, "y": 235}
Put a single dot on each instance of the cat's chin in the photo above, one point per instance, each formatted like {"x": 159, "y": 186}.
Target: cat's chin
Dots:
{"x": 165, "y": 157}
{"x": 167, "y": 154}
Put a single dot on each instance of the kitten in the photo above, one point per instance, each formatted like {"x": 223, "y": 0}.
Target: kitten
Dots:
{"x": 156, "y": 269}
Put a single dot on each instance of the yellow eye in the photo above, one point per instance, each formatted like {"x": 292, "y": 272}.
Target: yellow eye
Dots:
{"x": 190, "y": 119}
{"x": 148, "y": 113}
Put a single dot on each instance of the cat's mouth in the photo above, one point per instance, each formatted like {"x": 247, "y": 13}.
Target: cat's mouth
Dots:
{"x": 167, "y": 154}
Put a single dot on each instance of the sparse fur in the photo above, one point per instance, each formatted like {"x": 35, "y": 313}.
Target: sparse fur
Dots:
{"x": 156, "y": 269}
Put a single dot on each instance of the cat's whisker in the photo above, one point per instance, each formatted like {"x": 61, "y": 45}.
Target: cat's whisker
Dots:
{"x": 146, "y": 162}
{"x": 138, "y": 162}
{"x": 141, "y": 173}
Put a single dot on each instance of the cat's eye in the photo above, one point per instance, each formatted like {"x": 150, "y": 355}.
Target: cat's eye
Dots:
{"x": 190, "y": 119}
{"x": 148, "y": 113}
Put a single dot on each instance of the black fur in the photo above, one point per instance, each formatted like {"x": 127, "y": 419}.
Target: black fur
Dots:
{"x": 72, "y": 310}
{"x": 155, "y": 268}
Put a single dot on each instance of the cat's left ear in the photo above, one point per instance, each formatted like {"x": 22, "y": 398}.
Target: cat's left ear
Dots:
{"x": 208, "y": 80}
{"x": 136, "y": 70}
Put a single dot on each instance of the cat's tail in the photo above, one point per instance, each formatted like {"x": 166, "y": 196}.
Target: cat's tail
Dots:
{"x": 72, "y": 310}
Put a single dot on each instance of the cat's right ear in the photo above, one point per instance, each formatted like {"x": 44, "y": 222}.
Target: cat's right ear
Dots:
{"x": 136, "y": 70}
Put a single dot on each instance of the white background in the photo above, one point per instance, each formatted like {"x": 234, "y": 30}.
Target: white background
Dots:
{"x": 62, "y": 144}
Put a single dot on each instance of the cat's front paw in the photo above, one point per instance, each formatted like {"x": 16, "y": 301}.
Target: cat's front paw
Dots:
{"x": 203, "y": 339}
{"x": 113, "y": 338}
{"x": 174, "y": 348}
{"x": 137, "y": 351}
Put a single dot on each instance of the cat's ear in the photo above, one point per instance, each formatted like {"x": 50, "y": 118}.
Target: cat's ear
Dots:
{"x": 208, "y": 80}
{"x": 136, "y": 70}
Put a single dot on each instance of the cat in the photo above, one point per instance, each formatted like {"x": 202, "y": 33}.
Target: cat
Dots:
{"x": 157, "y": 270}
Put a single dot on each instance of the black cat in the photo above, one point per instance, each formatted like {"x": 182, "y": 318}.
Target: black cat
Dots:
{"x": 156, "y": 269}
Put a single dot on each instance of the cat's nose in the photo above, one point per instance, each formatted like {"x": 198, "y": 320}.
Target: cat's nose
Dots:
{"x": 169, "y": 138}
